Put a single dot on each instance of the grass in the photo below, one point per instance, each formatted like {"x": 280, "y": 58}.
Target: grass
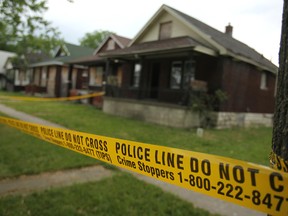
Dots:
{"x": 117, "y": 195}
{"x": 251, "y": 144}
{"x": 121, "y": 194}
{"x": 24, "y": 154}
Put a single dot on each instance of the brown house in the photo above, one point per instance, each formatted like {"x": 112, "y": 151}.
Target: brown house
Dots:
{"x": 174, "y": 53}
{"x": 96, "y": 66}
{"x": 55, "y": 77}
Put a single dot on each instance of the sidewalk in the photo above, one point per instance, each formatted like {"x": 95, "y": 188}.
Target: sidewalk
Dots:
{"x": 63, "y": 178}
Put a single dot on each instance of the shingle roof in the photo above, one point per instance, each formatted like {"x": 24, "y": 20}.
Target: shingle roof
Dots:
{"x": 123, "y": 40}
{"x": 155, "y": 46}
{"x": 218, "y": 41}
{"x": 88, "y": 59}
{"x": 228, "y": 42}
{"x": 73, "y": 52}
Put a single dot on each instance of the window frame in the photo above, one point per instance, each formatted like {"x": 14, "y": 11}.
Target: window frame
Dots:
{"x": 176, "y": 83}
{"x": 185, "y": 76}
{"x": 264, "y": 81}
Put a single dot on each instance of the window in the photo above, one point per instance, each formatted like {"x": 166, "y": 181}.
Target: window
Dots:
{"x": 189, "y": 73}
{"x": 182, "y": 74}
{"x": 165, "y": 30}
{"x": 264, "y": 81}
{"x": 176, "y": 75}
{"x": 136, "y": 75}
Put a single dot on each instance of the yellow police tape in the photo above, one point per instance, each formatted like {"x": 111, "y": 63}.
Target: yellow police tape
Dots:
{"x": 247, "y": 184}
{"x": 277, "y": 162}
{"x": 52, "y": 99}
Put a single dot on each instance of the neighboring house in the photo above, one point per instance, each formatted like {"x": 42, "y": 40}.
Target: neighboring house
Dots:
{"x": 18, "y": 74}
{"x": 55, "y": 77}
{"x": 97, "y": 81}
{"x": 174, "y": 52}
{"x": 97, "y": 65}
{"x": 4, "y": 56}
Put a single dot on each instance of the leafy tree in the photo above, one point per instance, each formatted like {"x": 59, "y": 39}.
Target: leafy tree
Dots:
{"x": 23, "y": 28}
{"x": 94, "y": 39}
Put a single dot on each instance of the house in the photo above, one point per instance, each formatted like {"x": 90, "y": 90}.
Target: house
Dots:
{"x": 174, "y": 53}
{"x": 18, "y": 74}
{"x": 54, "y": 77}
{"x": 96, "y": 65}
{"x": 4, "y": 56}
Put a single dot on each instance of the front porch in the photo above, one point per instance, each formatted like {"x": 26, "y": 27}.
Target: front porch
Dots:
{"x": 165, "y": 77}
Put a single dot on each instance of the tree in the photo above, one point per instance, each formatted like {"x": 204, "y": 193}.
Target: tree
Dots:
{"x": 94, "y": 39}
{"x": 280, "y": 129}
{"x": 23, "y": 28}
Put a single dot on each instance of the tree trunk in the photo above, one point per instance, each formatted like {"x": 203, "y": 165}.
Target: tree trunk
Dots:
{"x": 279, "y": 155}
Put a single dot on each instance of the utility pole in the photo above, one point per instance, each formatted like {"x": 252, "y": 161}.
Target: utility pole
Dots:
{"x": 279, "y": 154}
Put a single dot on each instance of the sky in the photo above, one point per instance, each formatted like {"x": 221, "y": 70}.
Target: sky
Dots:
{"x": 256, "y": 23}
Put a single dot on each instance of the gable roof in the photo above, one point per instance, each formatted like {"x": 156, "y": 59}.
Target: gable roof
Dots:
{"x": 233, "y": 47}
{"x": 121, "y": 41}
{"x": 70, "y": 52}
{"x": 221, "y": 43}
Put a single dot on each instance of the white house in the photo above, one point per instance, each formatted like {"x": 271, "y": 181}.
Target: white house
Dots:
{"x": 4, "y": 55}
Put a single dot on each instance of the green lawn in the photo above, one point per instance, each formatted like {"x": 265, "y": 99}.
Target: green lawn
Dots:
{"x": 121, "y": 194}
{"x": 118, "y": 195}
{"x": 251, "y": 144}
{"x": 24, "y": 154}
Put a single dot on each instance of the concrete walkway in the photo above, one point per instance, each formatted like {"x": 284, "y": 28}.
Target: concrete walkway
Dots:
{"x": 26, "y": 184}
{"x": 30, "y": 183}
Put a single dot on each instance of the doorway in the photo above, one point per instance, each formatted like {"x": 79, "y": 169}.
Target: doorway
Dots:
{"x": 154, "y": 80}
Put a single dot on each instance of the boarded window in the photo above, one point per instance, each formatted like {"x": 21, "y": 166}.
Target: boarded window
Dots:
{"x": 96, "y": 76}
{"x": 165, "y": 30}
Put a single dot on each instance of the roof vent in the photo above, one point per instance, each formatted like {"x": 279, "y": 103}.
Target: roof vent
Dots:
{"x": 229, "y": 30}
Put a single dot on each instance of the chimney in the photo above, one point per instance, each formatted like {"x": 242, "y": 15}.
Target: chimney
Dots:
{"x": 229, "y": 30}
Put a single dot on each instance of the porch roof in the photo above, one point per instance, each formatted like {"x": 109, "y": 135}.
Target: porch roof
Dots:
{"x": 160, "y": 46}
{"x": 88, "y": 60}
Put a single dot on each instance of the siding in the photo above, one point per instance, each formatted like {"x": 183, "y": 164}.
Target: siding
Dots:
{"x": 242, "y": 83}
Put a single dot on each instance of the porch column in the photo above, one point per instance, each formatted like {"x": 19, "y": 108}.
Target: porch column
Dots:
{"x": 188, "y": 76}
{"x": 141, "y": 81}
{"x": 69, "y": 86}
{"x": 105, "y": 76}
